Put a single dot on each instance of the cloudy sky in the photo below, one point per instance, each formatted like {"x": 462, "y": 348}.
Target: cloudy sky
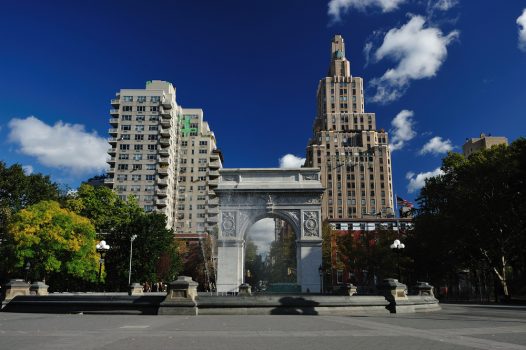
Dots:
{"x": 436, "y": 72}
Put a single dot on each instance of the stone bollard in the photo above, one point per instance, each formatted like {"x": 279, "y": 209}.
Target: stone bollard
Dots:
{"x": 348, "y": 289}
{"x": 182, "y": 288}
{"x": 135, "y": 289}
{"x": 393, "y": 291}
{"x": 245, "y": 290}
{"x": 16, "y": 287}
{"x": 424, "y": 289}
{"x": 38, "y": 288}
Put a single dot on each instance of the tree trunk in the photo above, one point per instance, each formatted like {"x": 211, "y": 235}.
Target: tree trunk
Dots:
{"x": 502, "y": 277}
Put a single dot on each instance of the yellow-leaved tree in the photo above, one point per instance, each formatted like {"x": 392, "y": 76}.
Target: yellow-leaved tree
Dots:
{"x": 54, "y": 241}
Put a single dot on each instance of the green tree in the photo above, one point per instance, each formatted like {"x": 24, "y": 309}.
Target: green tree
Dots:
{"x": 478, "y": 208}
{"x": 18, "y": 191}
{"x": 155, "y": 255}
{"x": 53, "y": 240}
{"x": 103, "y": 207}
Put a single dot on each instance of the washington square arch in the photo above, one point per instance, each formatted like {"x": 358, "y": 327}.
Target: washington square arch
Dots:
{"x": 248, "y": 195}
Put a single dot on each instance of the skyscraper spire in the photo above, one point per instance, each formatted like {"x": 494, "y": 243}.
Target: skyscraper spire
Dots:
{"x": 352, "y": 154}
{"x": 339, "y": 66}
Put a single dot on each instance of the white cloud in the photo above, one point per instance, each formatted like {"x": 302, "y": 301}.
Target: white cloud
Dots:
{"x": 291, "y": 161}
{"x": 419, "y": 52}
{"x": 436, "y": 146}
{"x": 441, "y": 5}
{"x": 28, "y": 169}
{"x": 262, "y": 234}
{"x": 402, "y": 130}
{"x": 521, "y": 22}
{"x": 417, "y": 181}
{"x": 65, "y": 146}
{"x": 339, "y": 7}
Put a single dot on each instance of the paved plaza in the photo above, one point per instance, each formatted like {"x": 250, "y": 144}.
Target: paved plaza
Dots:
{"x": 454, "y": 327}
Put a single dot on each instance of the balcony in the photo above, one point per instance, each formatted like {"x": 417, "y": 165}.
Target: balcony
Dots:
{"x": 213, "y": 173}
{"x": 114, "y": 121}
{"x": 214, "y": 165}
{"x": 166, "y": 113}
{"x": 166, "y": 123}
{"x": 113, "y": 131}
{"x": 211, "y": 220}
{"x": 162, "y": 170}
{"x": 114, "y": 111}
{"x": 165, "y": 132}
{"x": 213, "y": 202}
{"x": 165, "y": 141}
{"x": 214, "y": 156}
{"x": 161, "y": 193}
{"x": 112, "y": 140}
{"x": 163, "y": 160}
{"x": 162, "y": 182}
{"x": 112, "y": 150}
{"x": 161, "y": 202}
{"x": 167, "y": 103}
{"x": 164, "y": 152}
{"x": 115, "y": 102}
{"x": 109, "y": 181}
{"x": 110, "y": 160}
{"x": 213, "y": 182}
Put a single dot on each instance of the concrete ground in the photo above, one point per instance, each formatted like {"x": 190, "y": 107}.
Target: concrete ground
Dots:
{"x": 455, "y": 327}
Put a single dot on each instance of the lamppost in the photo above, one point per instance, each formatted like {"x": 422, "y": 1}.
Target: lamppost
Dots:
{"x": 102, "y": 248}
{"x": 320, "y": 270}
{"x": 28, "y": 266}
{"x": 132, "y": 238}
{"x": 397, "y": 246}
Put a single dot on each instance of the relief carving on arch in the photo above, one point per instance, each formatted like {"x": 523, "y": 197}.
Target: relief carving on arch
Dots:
{"x": 311, "y": 224}
{"x": 228, "y": 224}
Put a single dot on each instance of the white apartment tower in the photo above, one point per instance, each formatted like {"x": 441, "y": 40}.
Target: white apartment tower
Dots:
{"x": 165, "y": 156}
{"x": 200, "y": 161}
{"x": 353, "y": 156}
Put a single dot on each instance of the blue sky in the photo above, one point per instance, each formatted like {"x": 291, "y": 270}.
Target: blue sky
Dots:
{"x": 457, "y": 68}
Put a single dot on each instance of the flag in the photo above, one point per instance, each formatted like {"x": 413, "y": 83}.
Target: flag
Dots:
{"x": 403, "y": 203}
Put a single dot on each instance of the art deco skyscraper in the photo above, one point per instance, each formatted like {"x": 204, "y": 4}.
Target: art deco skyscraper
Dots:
{"x": 352, "y": 154}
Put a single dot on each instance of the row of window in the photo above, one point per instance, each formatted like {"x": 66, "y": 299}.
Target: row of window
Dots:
{"x": 140, "y": 147}
{"x": 139, "y": 118}
{"x": 141, "y": 98}
{"x": 136, "y": 177}
{"x": 140, "y": 108}
{"x": 135, "y": 188}
{"x": 128, "y": 127}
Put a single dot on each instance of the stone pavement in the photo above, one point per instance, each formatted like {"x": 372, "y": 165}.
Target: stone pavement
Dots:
{"x": 455, "y": 327}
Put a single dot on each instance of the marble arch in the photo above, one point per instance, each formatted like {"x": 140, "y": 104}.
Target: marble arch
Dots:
{"x": 248, "y": 195}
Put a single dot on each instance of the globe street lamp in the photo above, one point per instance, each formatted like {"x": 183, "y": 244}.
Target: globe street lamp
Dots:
{"x": 397, "y": 246}
{"x": 132, "y": 238}
{"x": 102, "y": 248}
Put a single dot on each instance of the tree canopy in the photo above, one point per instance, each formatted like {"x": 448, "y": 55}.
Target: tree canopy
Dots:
{"x": 53, "y": 240}
{"x": 474, "y": 214}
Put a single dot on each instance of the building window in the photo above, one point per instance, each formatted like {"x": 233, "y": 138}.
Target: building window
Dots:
{"x": 152, "y": 137}
{"x": 137, "y": 166}
{"x": 136, "y": 177}
{"x": 126, "y": 117}
{"x": 124, "y": 156}
{"x": 127, "y": 98}
{"x": 139, "y": 137}
{"x": 150, "y": 177}
{"x": 141, "y": 109}
{"x": 124, "y": 147}
{"x": 153, "y": 127}
{"x": 139, "y": 127}
{"x": 154, "y": 109}
{"x": 141, "y": 99}
{"x": 155, "y": 99}
{"x": 150, "y": 166}
{"x": 122, "y": 167}
{"x": 125, "y": 127}
{"x": 126, "y": 108}
{"x": 137, "y": 147}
